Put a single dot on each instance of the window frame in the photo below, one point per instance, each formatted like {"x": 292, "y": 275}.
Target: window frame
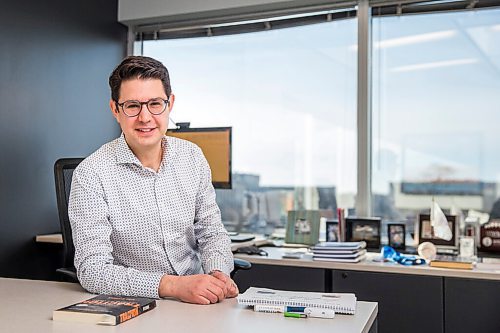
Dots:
{"x": 364, "y": 11}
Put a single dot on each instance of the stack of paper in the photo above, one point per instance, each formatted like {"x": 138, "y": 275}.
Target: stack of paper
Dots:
{"x": 339, "y": 251}
{"x": 340, "y": 302}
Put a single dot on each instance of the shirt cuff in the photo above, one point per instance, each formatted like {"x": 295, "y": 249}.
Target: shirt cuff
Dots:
{"x": 146, "y": 284}
{"x": 218, "y": 264}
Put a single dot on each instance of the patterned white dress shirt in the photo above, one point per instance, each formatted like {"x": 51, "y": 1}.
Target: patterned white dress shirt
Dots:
{"x": 131, "y": 224}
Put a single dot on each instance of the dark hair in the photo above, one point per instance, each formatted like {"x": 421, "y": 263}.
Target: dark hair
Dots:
{"x": 138, "y": 67}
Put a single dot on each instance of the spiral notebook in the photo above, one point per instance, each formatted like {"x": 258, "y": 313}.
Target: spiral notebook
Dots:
{"x": 340, "y": 302}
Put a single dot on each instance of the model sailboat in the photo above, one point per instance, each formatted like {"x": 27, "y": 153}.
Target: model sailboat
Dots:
{"x": 439, "y": 222}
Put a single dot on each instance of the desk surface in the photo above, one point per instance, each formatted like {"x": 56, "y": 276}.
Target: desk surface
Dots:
{"x": 49, "y": 238}
{"x": 276, "y": 253}
{"x": 28, "y": 306}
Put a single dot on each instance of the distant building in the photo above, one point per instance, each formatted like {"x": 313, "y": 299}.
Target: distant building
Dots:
{"x": 248, "y": 207}
{"x": 463, "y": 194}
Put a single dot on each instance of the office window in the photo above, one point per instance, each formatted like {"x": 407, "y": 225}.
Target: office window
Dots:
{"x": 436, "y": 113}
{"x": 290, "y": 96}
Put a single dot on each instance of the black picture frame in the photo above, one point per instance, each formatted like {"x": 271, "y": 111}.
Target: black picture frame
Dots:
{"x": 332, "y": 231}
{"x": 396, "y": 235}
{"x": 426, "y": 234}
{"x": 364, "y": 229}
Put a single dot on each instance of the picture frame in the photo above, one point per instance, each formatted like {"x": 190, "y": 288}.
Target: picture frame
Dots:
{"x": 426, "y": 232}
{"x": 302, "y": 227}
{"x": 396, "y": 235}
{"x": 364, "y": 229}
{"x": 332, "y": 231}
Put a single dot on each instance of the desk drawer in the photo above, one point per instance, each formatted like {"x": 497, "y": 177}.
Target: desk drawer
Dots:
{"x": 406, "y": 303}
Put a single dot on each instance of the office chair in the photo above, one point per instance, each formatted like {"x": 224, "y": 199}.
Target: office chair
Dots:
{"x": 63, "y": 173}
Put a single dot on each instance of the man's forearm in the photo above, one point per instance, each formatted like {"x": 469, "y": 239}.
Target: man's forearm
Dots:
{"x": 118, "y": 280}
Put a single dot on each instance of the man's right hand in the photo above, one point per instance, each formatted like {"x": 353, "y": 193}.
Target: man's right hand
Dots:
{"x": 199, "y": 289}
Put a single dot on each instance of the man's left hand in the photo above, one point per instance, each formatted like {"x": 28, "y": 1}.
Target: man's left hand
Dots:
{"x": 231, "y": 289}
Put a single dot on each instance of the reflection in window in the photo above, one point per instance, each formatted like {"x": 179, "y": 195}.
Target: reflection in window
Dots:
{"x": 290, "y": 96}
{"x": 436, "y": 85}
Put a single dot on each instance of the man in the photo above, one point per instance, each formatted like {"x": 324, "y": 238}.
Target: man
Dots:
{"x": 142, "y": 207}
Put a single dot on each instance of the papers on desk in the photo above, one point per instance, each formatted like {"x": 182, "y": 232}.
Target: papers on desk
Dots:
{"x": 340, "y": 302}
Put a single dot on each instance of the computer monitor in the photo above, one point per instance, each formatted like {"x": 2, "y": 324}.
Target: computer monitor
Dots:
{"x": 215, "y": 142}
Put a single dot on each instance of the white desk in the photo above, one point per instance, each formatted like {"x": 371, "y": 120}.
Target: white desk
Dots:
{"x": 276, "y": 253}
{"x": 28, "y": 305}
{"x": 438, "y": 295}
{"x": 58, "y": 239}
{"x": 49, "y": 238}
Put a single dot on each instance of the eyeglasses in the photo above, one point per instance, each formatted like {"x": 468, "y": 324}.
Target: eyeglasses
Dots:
{"x": 155, "y": 106}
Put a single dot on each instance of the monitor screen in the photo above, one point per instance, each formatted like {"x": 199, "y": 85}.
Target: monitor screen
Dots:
{"x": 215, "y": 142}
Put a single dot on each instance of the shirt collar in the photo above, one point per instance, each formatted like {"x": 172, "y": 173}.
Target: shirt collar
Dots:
{"x": 125, "y": 155}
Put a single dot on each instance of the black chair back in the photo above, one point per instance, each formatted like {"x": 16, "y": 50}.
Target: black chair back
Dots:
{"x": 63, "y": 173}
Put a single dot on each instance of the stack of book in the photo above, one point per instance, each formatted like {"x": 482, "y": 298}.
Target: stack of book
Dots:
{"x": 444, "y": 261}
{"x": 339, "y": 251}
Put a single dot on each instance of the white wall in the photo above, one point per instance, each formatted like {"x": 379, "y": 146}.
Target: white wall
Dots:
{"x": 133, "y": 12}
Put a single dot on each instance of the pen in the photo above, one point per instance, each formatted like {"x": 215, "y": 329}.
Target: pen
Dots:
{"x": 312, "y": 312}
{"x": 295, "y": 315}
{"x": 295, "y": 308}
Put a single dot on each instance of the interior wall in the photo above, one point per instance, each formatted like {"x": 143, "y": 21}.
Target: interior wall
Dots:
{"x": 55, "y": 59}
{"x": 133, "y": 12}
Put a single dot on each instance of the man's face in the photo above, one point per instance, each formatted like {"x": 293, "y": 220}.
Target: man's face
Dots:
{"x": 145, "y": 131}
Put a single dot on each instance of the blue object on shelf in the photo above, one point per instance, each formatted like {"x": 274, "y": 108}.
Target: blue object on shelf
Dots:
{"x": 403, "y": 259}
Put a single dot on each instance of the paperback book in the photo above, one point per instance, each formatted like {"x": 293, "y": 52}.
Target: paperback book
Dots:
{"x": 340, "y": 259}
{"x": 444, "y": 261}
{"x": 339, "y": 246}
{"x": 345, "y": 257}
{"x": 105, "y": 310}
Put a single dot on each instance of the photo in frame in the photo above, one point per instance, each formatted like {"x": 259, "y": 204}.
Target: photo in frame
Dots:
{"x": 332, "y": 231}
{"x": 364, "y": 229}
{"x": 396, "y": 235}
{"x": 302, "y": 227}
{"x": 426, "y": 232}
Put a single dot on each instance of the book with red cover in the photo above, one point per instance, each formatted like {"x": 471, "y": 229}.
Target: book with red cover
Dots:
{"x": 105, "y": 310}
